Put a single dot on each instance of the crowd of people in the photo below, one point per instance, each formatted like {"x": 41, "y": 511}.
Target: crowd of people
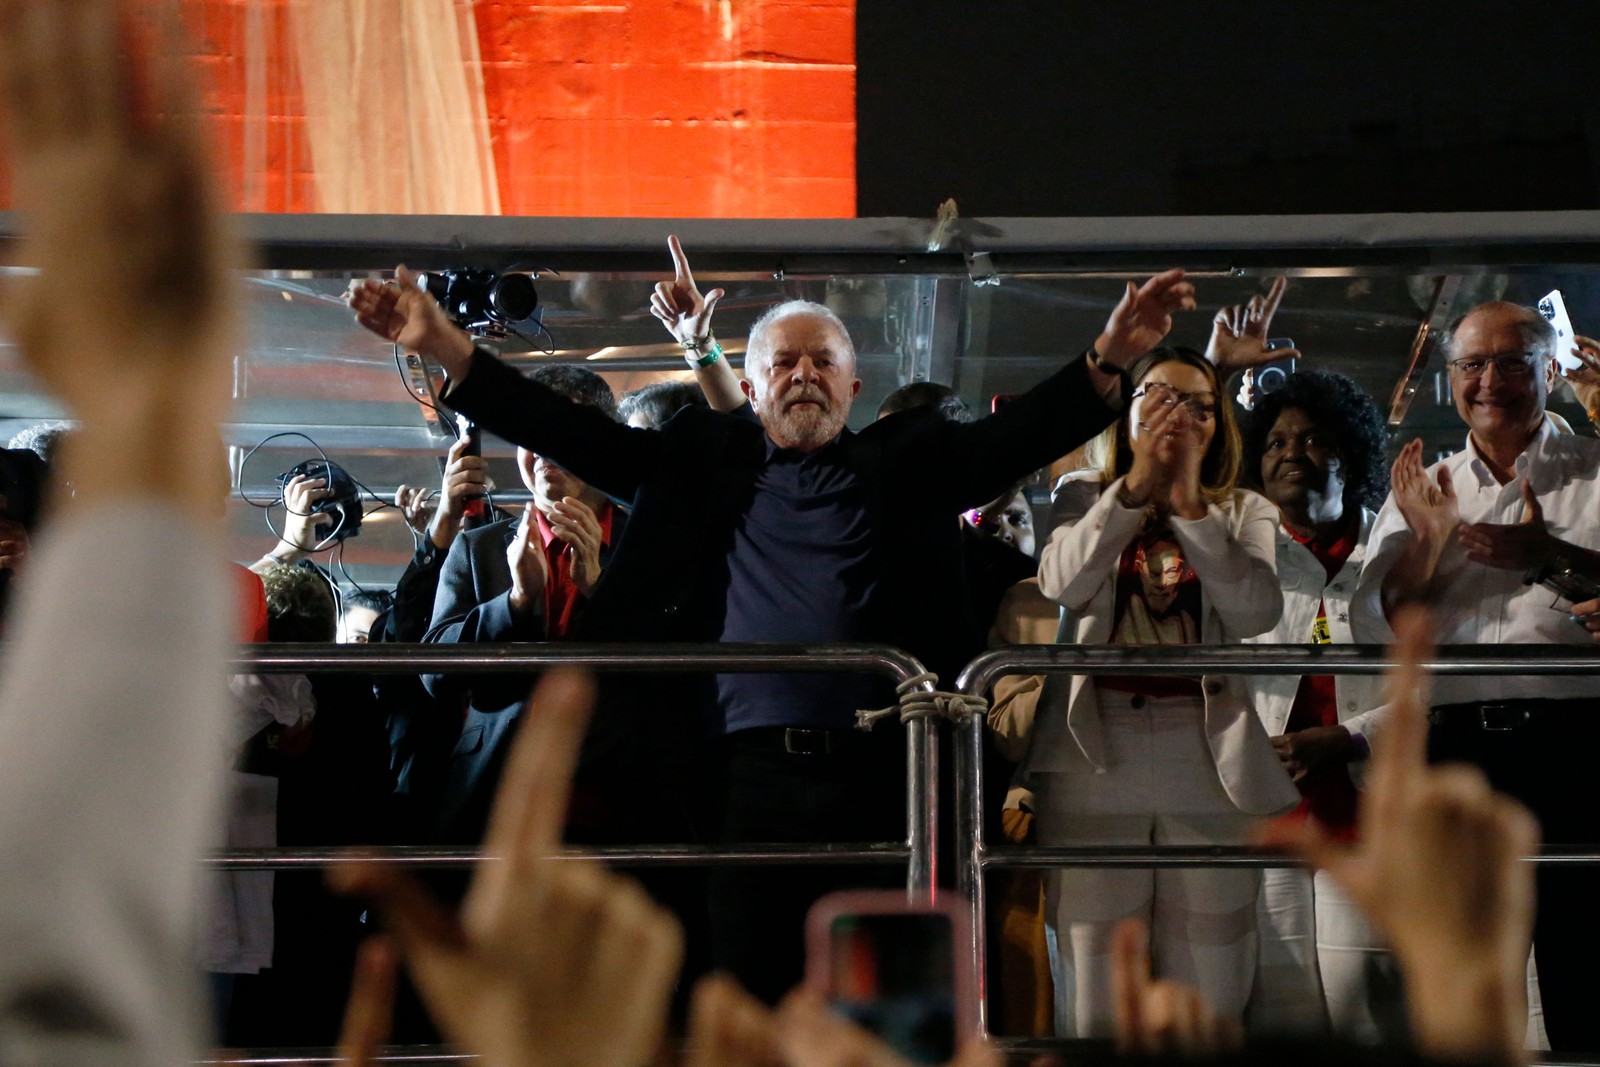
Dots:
{"x": 744, "y": 510}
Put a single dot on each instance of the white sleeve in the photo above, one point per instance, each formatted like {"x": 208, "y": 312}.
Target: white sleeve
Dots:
{"x": 113, "y": 705}
{"x": 1242, "y": 571}
{"x": 1369, "y": 623}
{"x": 1088, "y": 531}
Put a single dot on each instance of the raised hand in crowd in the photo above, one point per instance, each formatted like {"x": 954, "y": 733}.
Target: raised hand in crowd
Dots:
{"x": 1143, "y": 317}
{"x": 120, "y": 204}
{"x": 1161, "y": 1018}
{"x": 1239, "y": 337}
{"x": 529, "y": 567}
{"x": 575, "y": 522}
{"x": 1585, "y": 380}
{"x": 1433, "y": 517}
{"x": 679, "y": 304}
{"x": 465, "y": 479}
{"x": 687, "y": 316}
{"x": 300, "y": 517}
{"x": 415, "y": 503}
{"x": 1439, "y": 870}
{"x": 551, "y": 961}
{"x": 730, "y": 1028}
{"x": 404, "y": 313}
{"x": 369, "y": 1013}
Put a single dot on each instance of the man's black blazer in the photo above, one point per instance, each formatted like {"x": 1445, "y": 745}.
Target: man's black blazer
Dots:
{"x": 690, "y": 481}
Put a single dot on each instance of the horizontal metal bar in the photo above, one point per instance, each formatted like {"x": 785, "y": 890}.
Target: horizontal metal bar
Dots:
{"x": 980, "y": 674}
{"x": 311, "y": 658}
{"x": 435, "y": 856}
{"x": 1044, "y": 857}
{"x": 1020, "y": 1050}
{"x": 317, "y": 1057}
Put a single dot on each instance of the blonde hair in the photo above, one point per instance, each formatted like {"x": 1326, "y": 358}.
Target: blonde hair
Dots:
{"x": 1219, "y": 470}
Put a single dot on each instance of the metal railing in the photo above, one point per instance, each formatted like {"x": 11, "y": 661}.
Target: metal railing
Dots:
{"x": 978, "y": 677}
{"x": 922, "y": 807}
{"x": 917, "y": 851}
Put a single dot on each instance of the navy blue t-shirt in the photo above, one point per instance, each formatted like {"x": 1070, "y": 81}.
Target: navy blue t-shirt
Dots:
{"x": 801, "y": 569}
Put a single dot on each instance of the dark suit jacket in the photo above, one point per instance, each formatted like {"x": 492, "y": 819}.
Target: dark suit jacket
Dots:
{"x": 689, "y": 482}
{"x": 473, "y": 605}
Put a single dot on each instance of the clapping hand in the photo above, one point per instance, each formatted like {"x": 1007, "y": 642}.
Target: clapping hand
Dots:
{"x": 1429, "y": 507}
{"x": 1515, "y": 546}
{"x": 529, "y": 567}
{"x": 575, "y": 522}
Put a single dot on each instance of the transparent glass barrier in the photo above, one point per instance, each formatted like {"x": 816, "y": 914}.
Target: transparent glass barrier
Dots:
{"x": 306, "y": 367}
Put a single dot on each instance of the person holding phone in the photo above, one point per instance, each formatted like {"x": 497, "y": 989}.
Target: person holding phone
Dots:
{"x": 1463, "y": 535}
{"x": 1157, "y": 546}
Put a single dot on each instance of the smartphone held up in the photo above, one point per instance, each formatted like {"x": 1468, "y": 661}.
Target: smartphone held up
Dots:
{"x": 889, "y": 966}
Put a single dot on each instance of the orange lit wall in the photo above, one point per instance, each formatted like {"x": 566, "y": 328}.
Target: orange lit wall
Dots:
{"x": 674, "y": 108}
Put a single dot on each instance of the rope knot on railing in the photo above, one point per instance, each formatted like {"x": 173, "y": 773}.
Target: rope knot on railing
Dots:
{"x": 919, "y": 703}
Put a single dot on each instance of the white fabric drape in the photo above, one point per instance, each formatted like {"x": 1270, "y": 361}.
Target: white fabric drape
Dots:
{"x": 395, "y": 112}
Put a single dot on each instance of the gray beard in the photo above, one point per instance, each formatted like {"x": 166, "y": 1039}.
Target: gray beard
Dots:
{"x": 803, "y": 428}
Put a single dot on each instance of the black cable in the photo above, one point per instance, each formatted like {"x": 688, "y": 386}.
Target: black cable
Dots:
{"x": 538, "y": 321}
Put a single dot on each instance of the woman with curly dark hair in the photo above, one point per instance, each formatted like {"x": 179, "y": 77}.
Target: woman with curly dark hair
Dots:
{"x": 1317, "y": 449}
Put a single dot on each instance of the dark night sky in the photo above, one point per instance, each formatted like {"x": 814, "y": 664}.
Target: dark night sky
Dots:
{"x": 1226, "y": 106}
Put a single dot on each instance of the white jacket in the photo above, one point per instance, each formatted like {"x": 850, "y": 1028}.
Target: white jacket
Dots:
{"x": 1231, "y": 550}
{"x": 1305, "y": 585}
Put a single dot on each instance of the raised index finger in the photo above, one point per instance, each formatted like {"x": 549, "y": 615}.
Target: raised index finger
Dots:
{"x": 680, "y": 262}
{"x": 531, "y": 806}
{"x": 1403, "y": 749}
{"x": 1130, "y": 975}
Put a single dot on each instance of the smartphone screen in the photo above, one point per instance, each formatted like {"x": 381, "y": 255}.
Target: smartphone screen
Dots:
{"x": 1554, "y": 309}
{"x": 894, "y": 975}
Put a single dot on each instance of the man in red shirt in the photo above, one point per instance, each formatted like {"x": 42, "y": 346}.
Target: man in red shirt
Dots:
{"x": 524, "y": 578}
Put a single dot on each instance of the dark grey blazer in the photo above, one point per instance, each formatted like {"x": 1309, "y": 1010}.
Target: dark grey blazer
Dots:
{"x": 473, "y": 606}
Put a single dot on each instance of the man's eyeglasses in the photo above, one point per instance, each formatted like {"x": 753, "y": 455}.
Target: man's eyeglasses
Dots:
{"x": 1507, "y": 366}
{"x": 1202, "y": 407}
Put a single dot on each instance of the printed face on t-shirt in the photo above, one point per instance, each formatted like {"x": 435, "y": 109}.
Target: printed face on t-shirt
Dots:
{"x": 1157, "y": 594}
{"x": 1161, "y": 572}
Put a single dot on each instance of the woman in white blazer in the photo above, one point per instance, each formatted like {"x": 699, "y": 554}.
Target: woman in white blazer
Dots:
{"x": 1157, "y": 547}
{"x": 1316, "y": 447}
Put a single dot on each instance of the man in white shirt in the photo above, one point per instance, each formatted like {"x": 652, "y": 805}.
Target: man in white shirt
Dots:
{"x": 1462, "y": 535}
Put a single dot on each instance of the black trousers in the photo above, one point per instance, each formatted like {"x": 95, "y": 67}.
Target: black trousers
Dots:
{"x": 1543, "y": 753}
{"x": 852, "y": 793}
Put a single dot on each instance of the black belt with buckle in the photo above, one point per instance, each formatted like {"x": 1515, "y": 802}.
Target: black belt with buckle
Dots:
{"x": 801, "y": 742}
{"x": 1495, "y": 716}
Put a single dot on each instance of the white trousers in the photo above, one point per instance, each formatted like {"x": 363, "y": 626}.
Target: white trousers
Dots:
{"x": 1160, "y": 786}
{"x": 1322, "y": 964}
